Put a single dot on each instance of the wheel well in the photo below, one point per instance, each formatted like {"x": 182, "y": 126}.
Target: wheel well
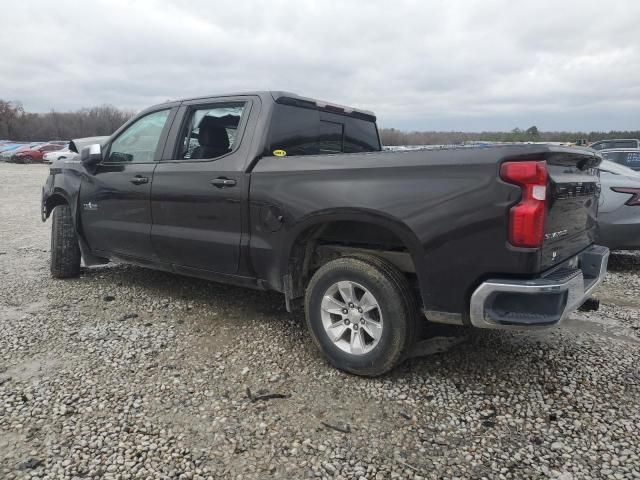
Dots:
{"x": 53, "y": 201}
{"x": 319, "y": 244}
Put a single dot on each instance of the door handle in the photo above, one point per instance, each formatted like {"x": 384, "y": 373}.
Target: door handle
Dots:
{"x": 223, "y": 182}
{"x": 138, "y": 180}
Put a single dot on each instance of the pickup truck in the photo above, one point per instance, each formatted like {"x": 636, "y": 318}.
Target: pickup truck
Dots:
{"x": 271, "y": 190}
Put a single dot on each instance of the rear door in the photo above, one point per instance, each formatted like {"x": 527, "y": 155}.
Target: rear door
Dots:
{"x": 200, "y": 190}
{"x": 115, "y": 199}
{"x": 574, "y": 189}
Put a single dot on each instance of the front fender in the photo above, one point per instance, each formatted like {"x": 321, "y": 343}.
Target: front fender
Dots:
{"x": 62, "y": 186}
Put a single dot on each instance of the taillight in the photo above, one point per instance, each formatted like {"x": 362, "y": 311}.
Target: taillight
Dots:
{"x": 635, "y": 200}
{"x": 526, "y": 219}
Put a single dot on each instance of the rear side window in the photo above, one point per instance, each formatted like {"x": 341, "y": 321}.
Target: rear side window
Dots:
{"x": 300, "y": 131}
{"x": 211, "y": 131}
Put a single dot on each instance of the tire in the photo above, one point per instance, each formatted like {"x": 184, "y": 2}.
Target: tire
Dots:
{"x": 396, "y": 309}
{"x": 27, "y": 159}
{"x": 65, "y": 250}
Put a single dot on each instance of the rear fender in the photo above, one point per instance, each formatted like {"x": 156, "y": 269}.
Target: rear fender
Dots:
{"x": 317, "y": 219}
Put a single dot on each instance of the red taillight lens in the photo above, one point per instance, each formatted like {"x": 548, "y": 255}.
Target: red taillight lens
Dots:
{"x": 635, "y": 200}
{"x": 526, "y": 219}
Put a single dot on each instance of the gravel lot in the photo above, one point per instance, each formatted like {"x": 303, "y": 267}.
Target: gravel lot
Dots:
{"x": 129, "y": 373}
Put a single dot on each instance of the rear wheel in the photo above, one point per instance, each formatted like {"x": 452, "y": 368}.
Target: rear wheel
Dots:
{"x": 361, "y": 313}
{"x": 27, "y": 159}
{"x": 65, "y": 250}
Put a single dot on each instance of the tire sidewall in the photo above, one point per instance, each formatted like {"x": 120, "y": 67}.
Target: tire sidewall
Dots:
{"x": 394, "y": 326}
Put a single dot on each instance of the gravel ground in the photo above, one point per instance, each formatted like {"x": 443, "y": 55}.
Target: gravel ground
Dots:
{"x": 129, "y": 373}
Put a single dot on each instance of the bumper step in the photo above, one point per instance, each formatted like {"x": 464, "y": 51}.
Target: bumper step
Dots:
{"x": 542, "y": 302}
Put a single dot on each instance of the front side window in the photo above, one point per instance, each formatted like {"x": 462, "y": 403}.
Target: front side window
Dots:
{"x": 211, "y": 132}
{"x": 139, "y": 142}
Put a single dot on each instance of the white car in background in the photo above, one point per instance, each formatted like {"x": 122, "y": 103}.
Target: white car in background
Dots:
{"x": 58, "y": 155}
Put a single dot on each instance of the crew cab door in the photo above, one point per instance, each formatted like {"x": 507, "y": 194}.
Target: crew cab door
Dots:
{"x": 115, "y": 198}
{"x": 200, "y": 190}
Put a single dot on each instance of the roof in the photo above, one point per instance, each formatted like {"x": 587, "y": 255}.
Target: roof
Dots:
{"x": 289, "y": 98}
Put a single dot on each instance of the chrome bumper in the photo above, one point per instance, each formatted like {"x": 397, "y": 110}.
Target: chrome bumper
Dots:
{"x": 542, "y": 302}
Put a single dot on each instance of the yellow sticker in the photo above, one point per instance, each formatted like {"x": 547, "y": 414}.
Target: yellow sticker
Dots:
{"x": 279, "y": 153}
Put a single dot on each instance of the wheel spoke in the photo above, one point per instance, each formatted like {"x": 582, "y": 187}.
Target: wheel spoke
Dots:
{"x": 336, "y": 331}
{"x": 346, "y": 291}
{"x": 357, "y": 342}
{"x": 368, "y": 302}
{"x": 374, "y": 329}
{"x": 331, "y": 305}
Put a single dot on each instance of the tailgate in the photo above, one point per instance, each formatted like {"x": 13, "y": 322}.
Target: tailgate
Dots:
{"x": 573, "y": 191}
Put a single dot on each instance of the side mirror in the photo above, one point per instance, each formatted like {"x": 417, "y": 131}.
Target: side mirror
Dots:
{"x": 91, "y": 155}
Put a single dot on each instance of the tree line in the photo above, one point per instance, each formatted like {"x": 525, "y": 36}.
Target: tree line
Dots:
{"x": 392, "y": 136}
{"x": 17, "y": 124}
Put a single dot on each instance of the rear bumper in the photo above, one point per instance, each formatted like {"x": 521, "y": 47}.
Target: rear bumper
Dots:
{"x": 541, "y": 302}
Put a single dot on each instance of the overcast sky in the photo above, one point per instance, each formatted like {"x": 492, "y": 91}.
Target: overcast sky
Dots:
{"x": 423, "y": 65}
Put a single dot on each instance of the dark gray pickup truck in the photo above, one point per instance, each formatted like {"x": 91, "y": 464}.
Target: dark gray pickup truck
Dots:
{"x": 271, "y": 190}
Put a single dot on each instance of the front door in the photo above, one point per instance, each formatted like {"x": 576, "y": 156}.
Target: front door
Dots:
{"x": 115, "y": 200}
{"x": 199, "y": 193}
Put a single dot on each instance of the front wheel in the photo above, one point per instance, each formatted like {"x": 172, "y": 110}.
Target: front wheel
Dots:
{"x": 65, "y": 250}
{"x": 361, "y": 312}
{"x": 27, "y": 159}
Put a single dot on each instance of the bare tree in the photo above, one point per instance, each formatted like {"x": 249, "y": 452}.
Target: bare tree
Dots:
{"x": 16, "y": 124}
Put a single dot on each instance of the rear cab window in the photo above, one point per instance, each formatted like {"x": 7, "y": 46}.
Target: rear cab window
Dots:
{"x": 306, "y": 131}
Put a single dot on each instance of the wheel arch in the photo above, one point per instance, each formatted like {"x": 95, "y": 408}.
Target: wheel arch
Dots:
{"x": 302, "y": 241}
{"x": 58, "y": 197}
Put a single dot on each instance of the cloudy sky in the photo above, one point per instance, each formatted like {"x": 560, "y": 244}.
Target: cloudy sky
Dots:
{"x": 423, "y": 65}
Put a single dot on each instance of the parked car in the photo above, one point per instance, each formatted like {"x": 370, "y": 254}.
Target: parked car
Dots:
{"x": 275, "y": 191}
{"x": 34, "y": 154}
{"x": 63, "y": 154}
{"x": 619, "y": 209}
{"x": 628, "y": 157}
{"x": 7, "y": 155}
{"x": 10, "y": 147}
{"x": 64, "y": 143}
{"x": 617, "y": 143}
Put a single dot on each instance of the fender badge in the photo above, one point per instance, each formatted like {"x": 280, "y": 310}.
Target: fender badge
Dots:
{"x": 279, "y": 153}
{"x": 90, "y": 206}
